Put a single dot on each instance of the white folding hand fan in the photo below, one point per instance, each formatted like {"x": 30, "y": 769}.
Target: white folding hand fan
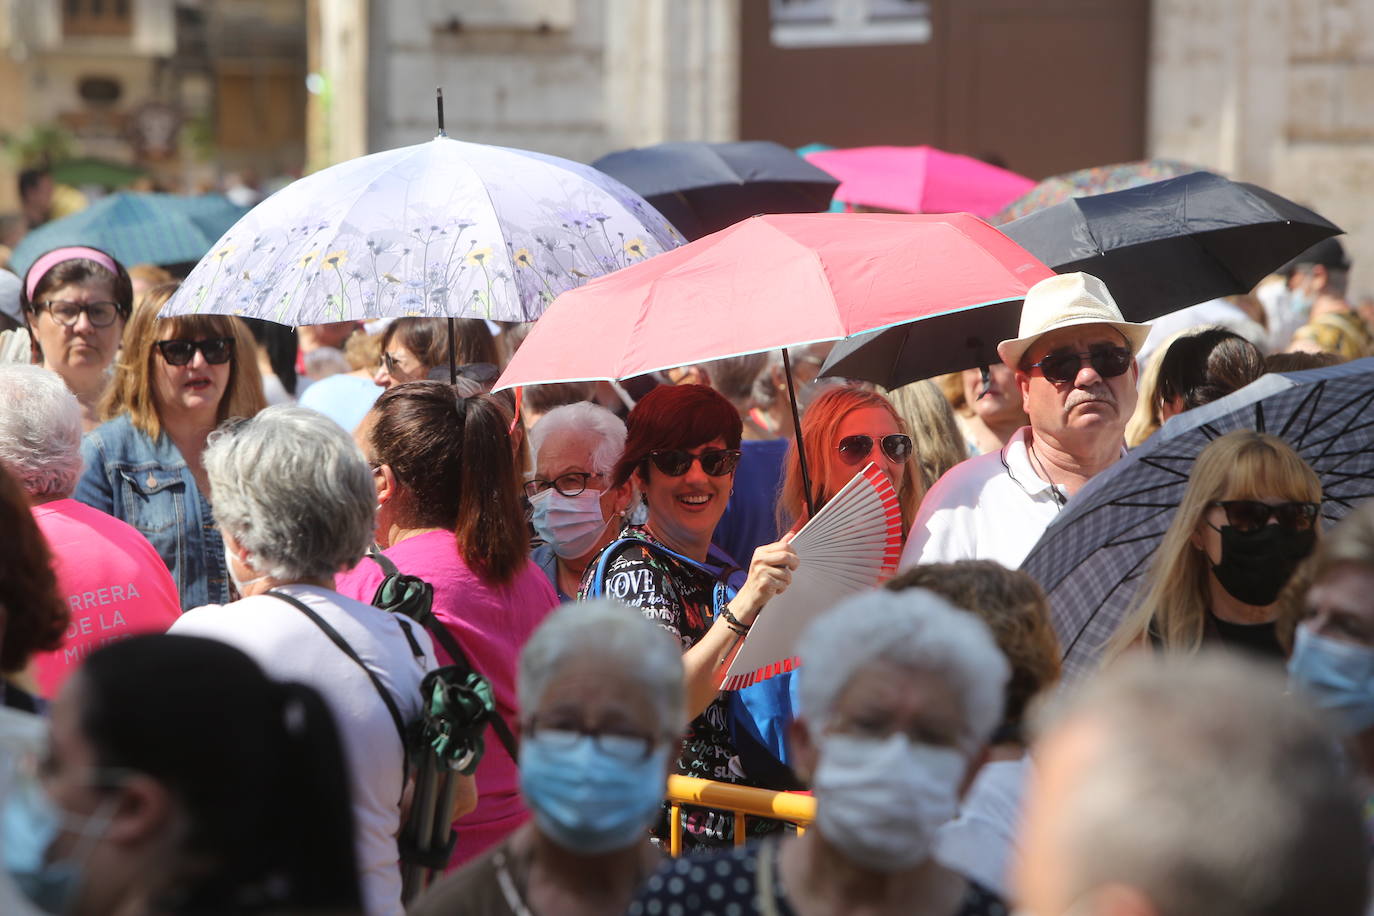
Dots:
{"x": 852, "y": 544}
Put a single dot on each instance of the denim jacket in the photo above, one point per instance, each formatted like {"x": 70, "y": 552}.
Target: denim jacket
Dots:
{"x": 148, "y": 484}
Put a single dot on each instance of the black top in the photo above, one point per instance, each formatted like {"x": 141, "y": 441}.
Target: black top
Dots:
{"x": 1260, "y": 639}
{"x": 744, "y": 881}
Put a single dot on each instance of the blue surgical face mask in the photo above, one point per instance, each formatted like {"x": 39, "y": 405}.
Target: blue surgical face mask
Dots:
{"x": 572, "y": 525}
{"x": 29, "y": 824}
{"x": 587, "y": 800}
{"x": 1337, "y": 676}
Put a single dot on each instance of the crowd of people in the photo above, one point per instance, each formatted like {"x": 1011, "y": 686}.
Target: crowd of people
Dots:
{"x": 207, "y": 511}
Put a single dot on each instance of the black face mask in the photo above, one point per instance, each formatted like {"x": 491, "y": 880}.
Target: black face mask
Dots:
{"x": 1256, "y": 565}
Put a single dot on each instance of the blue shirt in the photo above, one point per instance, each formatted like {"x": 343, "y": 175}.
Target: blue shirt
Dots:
{"x": 345, "y": 399}
{"x": 149, "y": 485}
{"x": 750, "y": 518}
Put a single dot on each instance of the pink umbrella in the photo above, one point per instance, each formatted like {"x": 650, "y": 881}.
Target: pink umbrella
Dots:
{"x": 920, "y": 179}
{"x": 772, "y": 282}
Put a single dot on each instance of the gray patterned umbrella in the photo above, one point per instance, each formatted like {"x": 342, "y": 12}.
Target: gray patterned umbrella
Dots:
{"x": 1090, "y": 560}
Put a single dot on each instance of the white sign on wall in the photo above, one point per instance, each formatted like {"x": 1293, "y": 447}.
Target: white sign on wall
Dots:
{"x": 822, "y": 23}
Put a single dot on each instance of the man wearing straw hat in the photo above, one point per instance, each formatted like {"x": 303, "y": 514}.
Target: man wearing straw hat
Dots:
{"x": 1075, "y": 365}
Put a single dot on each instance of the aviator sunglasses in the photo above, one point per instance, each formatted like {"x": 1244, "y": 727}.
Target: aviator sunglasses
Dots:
{"x": 1252, "y": 515}
{"x": 853, "y": 449}
{"x": 675, "y": 462}
{"x": 216, "y": 350}
{"x": 1107, "y": 361}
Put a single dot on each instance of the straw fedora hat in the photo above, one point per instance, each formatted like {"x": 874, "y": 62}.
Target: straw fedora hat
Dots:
{"x": 1063, "y": 301}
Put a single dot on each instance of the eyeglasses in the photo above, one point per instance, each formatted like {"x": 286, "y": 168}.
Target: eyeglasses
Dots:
{"x": 630, "y": 748}
{"x": 675, "y": 462}
{"x": 853, "y": 449}
{"x": 217, "y": 350}
{"x": 101, "y": 314}
{"x": 1252, "y": 515}
{"x": 569, "y": 484}
{"x": 1107, "y": 361}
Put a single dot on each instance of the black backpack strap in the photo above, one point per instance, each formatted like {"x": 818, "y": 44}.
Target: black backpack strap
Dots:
{"x": 338, "y": 640}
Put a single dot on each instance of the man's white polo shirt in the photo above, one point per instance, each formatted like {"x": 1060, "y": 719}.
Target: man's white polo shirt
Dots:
{"x": 993, "y": 507}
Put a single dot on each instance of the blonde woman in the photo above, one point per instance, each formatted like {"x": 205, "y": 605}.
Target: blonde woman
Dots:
{"x": 989, "y": 412}
{"x": 939, "y": 443}
{"x": 176, "y": 379}
{"x": 843, "y": 430}
{"x": 1221, "y": 573}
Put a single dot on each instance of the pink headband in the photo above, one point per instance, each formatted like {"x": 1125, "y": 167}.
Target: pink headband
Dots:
{"x": 47, "y": 262}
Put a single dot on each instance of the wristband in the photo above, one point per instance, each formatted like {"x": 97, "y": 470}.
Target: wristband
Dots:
{"x": 734, "y": 622}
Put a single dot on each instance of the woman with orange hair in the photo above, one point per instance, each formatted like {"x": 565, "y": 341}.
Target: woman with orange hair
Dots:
{"x": 842, "y": 431}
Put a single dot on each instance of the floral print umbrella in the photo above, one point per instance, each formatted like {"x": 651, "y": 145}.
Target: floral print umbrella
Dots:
{"x": 1102, "y": 179}
{"x": 442, "y": 229}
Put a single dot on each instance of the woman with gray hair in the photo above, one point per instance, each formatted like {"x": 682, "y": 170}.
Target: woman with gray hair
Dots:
{"x": 574, "y": 507}
{"x": 111, "y": 579}
{"x": 294, "y": 500}
{"x": 602, "y": 693}
{"x": 899, "y": 692}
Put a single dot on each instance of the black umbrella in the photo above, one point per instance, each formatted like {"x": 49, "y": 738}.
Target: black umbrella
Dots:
{"x": 1159, "y": 247}
{"x": 1090, "y": 560}
{"x": 704, "y": 187}
{"x": 1173, "y": 243}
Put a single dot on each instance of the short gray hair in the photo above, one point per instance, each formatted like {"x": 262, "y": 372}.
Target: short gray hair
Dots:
{"x": 914, "y": 629}
{"x": 40, "y": 430}
{"x": 622, "y": 636}
{"x": 583, "y": 419}
{"x": 1212, "y": 790}
{"x": 294, "y": 491}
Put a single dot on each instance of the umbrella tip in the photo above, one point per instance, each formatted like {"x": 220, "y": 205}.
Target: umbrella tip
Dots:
{"x": 439, "y": 104}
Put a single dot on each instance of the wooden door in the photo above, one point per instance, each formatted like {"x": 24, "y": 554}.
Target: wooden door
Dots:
{"x": 1044, "y": 86}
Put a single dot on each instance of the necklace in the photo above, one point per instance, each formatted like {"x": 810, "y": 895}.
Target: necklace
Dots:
{"x": 1059, "y": 498}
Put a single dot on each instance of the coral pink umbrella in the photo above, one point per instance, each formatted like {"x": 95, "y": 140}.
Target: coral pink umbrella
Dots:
{"x": 772, "y": 282}
{"x": 920, "y": 179}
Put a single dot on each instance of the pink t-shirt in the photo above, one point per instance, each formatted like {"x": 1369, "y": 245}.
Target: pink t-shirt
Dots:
{"x": 112, "y": 579}
{"x": 492, "y": 624}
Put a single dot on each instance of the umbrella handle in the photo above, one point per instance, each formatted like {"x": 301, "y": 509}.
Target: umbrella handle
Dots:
{"x": 976, "y": 344}
{"x": 796, "y": 426}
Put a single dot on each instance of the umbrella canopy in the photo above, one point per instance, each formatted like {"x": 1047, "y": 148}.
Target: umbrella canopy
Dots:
{"x": 1091, "y": 559}
{"x": 705, "y": 187}
{"x": 440, "y": 229}
{"x": 771, "y": 282}
{"x": 1159, "y": 247}
{"x": 136, "y": 229}
{"x": 1101, "y": 179}
{"x": 919, "y": 179}
{"x": 1173, "y": 243}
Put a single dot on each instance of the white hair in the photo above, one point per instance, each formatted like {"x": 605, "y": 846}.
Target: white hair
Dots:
{"x": 914, "y": 629}
{"x": 621, "y": 639}
{"x": 294, "y": 490}
{"x": 40, "y": 430}
{"x": 1210, "y": 788}
{"x": 584, "y": 419}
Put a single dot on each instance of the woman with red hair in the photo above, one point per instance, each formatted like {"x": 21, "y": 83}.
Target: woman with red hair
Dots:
{"x": 682, "y": 447}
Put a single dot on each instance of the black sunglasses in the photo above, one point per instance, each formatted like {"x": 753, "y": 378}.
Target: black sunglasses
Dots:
{"x": 675, "y": 462}
{"x": 1252, "y": 515}
{"x": 217, "y": 350}
{"x": 1107, "y": 361}
{"x": 853, "y": 449}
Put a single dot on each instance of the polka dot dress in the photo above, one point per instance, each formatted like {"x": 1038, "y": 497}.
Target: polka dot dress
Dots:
{"x": 727, "y": 884}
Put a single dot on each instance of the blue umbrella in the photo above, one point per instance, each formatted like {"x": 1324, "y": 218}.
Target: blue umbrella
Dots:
{"x": 137, "y": 228}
